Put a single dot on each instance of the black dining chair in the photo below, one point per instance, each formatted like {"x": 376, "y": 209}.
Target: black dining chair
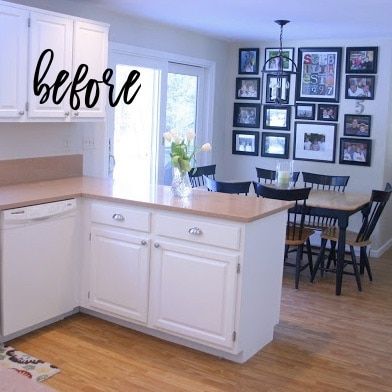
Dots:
{"x": 325, "y": 182}
{"x": 267, "y": 176}
{"x": 297, "y": 235}
{"x": 227, "y": 187}
{"x": 196, "y": 175}
{"x": 361, "y": 239}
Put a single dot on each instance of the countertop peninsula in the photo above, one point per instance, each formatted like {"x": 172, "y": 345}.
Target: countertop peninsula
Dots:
{"x": 201, "y": 202}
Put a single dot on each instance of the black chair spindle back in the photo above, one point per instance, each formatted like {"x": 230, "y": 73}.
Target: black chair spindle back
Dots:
{"x": 196, "y": 175}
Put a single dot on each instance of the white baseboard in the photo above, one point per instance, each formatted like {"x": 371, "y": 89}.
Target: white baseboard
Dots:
{"x": 381, "y": 250}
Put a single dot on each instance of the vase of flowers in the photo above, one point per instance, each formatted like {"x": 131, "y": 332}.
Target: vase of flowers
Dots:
{"x": 182, "y": 152}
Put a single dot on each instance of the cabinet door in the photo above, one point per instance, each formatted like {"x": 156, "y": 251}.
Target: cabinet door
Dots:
{"x": 91, "y": 48}
{"x": 193, "y": 292}
{"x": 13, "y": 62}
{"x": 55, "y": 33}
{"x": 119, "y": 273}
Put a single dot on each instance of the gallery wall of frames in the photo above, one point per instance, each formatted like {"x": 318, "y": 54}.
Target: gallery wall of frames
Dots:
{"x": 263, "y": 128}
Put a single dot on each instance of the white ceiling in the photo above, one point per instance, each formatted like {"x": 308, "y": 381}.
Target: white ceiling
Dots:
{"x": 242, "y": 20}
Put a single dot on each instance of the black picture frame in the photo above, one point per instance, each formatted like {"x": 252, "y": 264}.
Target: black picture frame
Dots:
{"x": 360, "y": 87}
{"x": 273, "y": 91}
{"x": 327, "y": 112}
{"x": 357, "y": 125}
{"x": 305, "y": 111}
{"x": 319, "y": 74}
{"x": 246, "y": 115}
{"x": 276, "y": 117}
{"x": 248, "y": 61}
{"x": 247, "y": 88}
{"x": 245, "y": 142}
{"x": 275, "y": 145}
{"x": 314, "y": 141}
{"x": 356, "y": 152}
{"x": 273, "y": 53}
{"x": 361, "y": 59}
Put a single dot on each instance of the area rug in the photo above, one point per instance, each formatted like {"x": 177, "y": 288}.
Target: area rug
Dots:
{"x": 26, "y": 365}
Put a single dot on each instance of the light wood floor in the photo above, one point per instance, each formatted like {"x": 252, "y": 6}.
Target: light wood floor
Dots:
{"x": 323, "y": 343}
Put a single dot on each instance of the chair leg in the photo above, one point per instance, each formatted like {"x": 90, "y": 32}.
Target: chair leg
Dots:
{"x": 319, "y": 259}
{"x": 286, "y": 251}
{"x": 355, "y": 266}
{"x": 298, "y": 264}
{"x": 332, "y": 255}
{"x": 309, "y": 253}
{"x": 365, "y": 262}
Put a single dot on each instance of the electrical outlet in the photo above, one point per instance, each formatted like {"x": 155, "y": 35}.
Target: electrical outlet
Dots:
{"x": 88, "y": 143}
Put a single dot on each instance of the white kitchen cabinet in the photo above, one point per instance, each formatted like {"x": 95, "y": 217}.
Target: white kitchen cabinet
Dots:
{"x": 194, "y": 291}
{"x": 25, "y": 33}
{"x": 55, "y": 33}
{"x": 13, "y": 49}
{"x": 91, "y": 48}
{"x": 119, "y": 273}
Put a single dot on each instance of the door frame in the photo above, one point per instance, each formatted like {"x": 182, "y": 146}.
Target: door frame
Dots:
{"x": 159, "y": 56}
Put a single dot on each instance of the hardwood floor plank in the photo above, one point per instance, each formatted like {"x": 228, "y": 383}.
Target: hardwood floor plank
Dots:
{"x": 322, "y": 343}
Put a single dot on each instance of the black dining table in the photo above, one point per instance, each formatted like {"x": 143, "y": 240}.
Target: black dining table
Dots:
{"x": 338, "y": 205}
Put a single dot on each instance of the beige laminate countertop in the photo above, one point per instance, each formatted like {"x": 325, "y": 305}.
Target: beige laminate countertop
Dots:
{"x": 201, "y": 202}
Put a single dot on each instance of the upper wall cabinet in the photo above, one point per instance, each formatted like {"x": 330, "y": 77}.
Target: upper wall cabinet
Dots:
{"x": 49, "y": 32}
{"x": 24, "y": 34}
{"x": 13, "y": 49}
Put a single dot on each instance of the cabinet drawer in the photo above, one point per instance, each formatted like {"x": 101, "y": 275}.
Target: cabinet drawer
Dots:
{"x": 128, "y": 218}
{"x": 204, "y": 232}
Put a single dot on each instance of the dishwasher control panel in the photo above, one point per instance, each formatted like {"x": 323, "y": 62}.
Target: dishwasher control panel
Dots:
{"x": 39, "y": 211}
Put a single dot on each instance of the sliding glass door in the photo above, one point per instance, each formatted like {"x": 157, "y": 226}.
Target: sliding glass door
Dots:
{"x": 171, "y": 97}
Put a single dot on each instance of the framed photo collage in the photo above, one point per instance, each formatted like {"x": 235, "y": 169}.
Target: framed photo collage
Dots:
{"x": 316, "y": 110}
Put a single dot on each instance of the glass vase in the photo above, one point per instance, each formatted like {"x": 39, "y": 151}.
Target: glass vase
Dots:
{"x": 181, "y": 185}
{"x": 284, "y": 174}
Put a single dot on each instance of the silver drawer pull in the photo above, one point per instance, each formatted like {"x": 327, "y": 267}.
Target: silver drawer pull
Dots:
{"x": 195, "y": 231}
{"x": 156, "y": 245}
{"x": 143, "y": 242}
{"x": 118, "y": 217}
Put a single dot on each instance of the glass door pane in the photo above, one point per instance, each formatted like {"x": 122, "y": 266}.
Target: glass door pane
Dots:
{"x": 182, "y": 105}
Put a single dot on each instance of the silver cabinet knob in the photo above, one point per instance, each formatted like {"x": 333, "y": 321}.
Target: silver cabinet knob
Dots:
{"x": 66, "y": 114}
{"x": 156, "y": 245}
{"x": 76, "y": 114}
{"x": 21, "y": 112}
{"x": 143, "y": 242}
{"x": 195, "y": 231}
{"x": 118, "y": 217}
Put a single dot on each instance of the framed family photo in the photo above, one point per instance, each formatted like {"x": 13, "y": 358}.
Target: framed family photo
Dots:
{"x": 277, "y": 89}
{"x": 305, "y": 111}
{"x": 327, "y": 112}
{"x": 314, "y": 141}
{"x": 357, "y": 125}
{"x": 247, "y": 88}
{"x": 248, "y": 61}
{"x": 273, "y": 61}
{"x": 276, "y": 117}
{"x": 319, "y": 74}
{"x": 360, "y": 86}
{"x": 361, "y": 60}
{"x": 245, "y": 143}
{"x": 275, "y": 145}
{"x": 355, "y": 151}
{"x": 246, "y": 115}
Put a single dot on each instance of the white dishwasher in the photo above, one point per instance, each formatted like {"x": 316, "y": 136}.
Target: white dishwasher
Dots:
{"x": 38, "y": 264}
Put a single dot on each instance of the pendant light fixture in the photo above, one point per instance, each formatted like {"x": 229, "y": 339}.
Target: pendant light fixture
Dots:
{"x": 275, "y": 66}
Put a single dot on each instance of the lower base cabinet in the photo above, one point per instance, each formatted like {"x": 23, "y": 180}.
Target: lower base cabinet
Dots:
{"x": 119, "y": 273}
{"x": 193, "y": 292}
